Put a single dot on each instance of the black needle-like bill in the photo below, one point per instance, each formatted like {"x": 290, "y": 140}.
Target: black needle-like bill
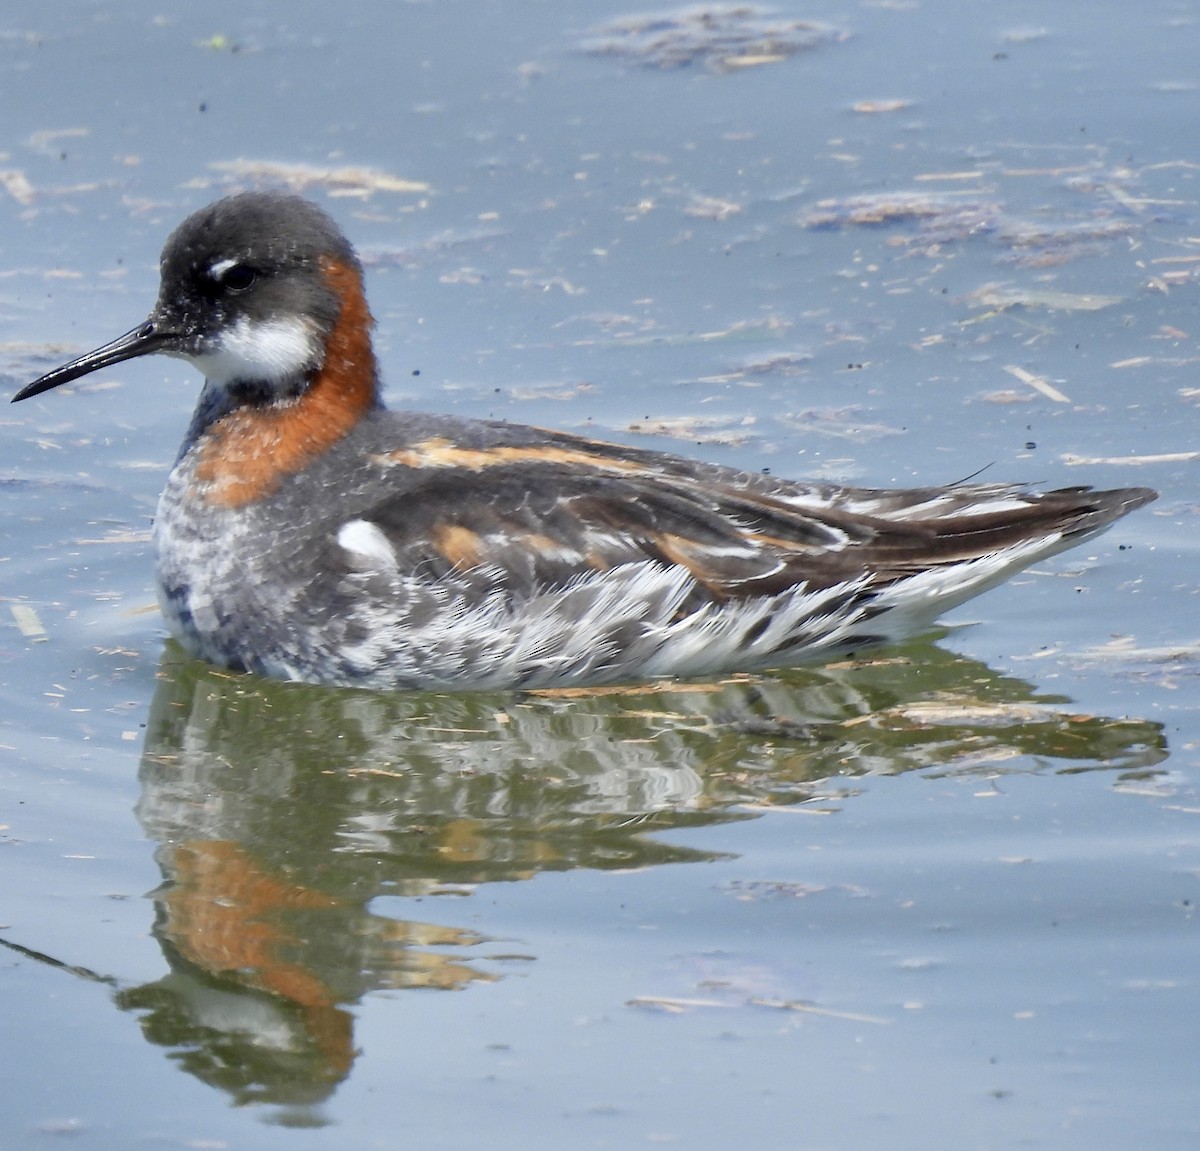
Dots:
{"x": 141, "y": 341}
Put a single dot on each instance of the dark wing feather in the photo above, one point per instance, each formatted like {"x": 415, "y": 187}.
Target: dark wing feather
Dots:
{"x": 536, "y": 515}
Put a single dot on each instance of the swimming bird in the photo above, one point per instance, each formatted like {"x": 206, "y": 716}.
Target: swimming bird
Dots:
{"x": 309, "y": 533}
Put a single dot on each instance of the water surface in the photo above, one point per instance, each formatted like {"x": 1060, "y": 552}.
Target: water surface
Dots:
{"x": 942, "y": 898}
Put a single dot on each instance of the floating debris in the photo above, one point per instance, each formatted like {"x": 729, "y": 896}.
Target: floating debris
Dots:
{"x": 711, "y": 208}
{"x": 552, "y": 391}
{"x": 219, "y": 43}
{"x": 439, "y": 246}
{"x": 750, "y": 890}
{"x": 1000, "y": 298}
{"x": 1038, "y": 383}
{"x": 541, "y": 281}
{"x": 344, "y": 181}
{"x": 844, "y": 423}
{"x": 874, "y": 107}
{"x": 949, "y": 217}
{"x": 48, "y": 141}
{"x": 681, "y": 1005}
{"x": 673, "y": 1004}
{"x": 1039, "y": 245}
{"x": 118, "y": 536}
{"x": 1025, "y": 35}
{"x": 949, "y": 708}
{"x": 1166, "y": 665}
{"x": 27, "y": 621}
{"x": 17, "y": 185}
{"x": 941, "y": 212}
{"x": 1129, "y": 461}
{"x": 672, "y": 687}
{"x": 729, "y": 431}
{"x": 1007, "y": 396}
{"x": 723, "y": 38}
{"x": 806, "y": 1008}
{"x": 783, "y": 364}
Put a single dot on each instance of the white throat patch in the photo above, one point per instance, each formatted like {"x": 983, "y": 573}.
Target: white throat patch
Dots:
{"x": 272, "y": 351}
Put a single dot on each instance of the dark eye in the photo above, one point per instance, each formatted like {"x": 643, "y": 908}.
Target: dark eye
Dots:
{"x": 238, "y": 278}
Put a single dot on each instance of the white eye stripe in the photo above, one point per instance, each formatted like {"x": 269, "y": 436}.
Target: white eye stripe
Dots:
{"x": 218, "y": 270}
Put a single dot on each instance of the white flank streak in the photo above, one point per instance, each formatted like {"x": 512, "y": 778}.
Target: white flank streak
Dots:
{"x": 928, "y": 594}
{"x": 269, "y": 350}
{"x": 366, "y": 546}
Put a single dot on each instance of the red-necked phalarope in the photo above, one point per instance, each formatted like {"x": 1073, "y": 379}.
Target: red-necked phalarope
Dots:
{"x": 308, "y": 533}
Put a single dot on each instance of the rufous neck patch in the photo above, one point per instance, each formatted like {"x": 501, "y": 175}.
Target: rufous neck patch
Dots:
{"x": 246, "y": 453}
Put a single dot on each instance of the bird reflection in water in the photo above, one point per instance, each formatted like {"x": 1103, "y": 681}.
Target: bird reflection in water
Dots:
{"x": 284, "y": 812}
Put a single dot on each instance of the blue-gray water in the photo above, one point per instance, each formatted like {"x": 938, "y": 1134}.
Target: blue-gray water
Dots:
{"x": 945, "y": 899}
